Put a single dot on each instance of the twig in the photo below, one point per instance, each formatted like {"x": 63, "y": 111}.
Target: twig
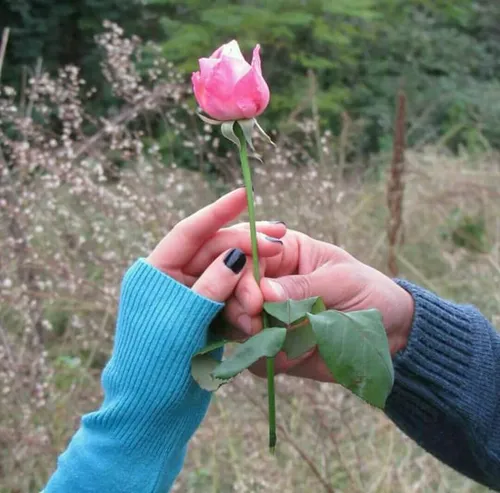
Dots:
{"x": 395, "y": 188}
{"x": 356, "y": 482}
{"x": 315, "y": 115}
{"x": 31, "y": 100}
{"x": 6, "y": 345}
{"x": 343, "y": 142}
{"x": 3, "y": 48}
{"x": 126, "y": 115}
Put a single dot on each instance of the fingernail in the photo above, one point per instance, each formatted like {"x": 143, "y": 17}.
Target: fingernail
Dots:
{"x": 235, "y": 260}
{"x": 273, "y": 240}
{"x": 277, "y": 289}
{"x": 245, "y": 324}
{"x": 277, "y": 222}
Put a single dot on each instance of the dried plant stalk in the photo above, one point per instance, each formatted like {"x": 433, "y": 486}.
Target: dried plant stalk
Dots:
{"x": 3, "y": 47}
{"x": 395, "y": 186}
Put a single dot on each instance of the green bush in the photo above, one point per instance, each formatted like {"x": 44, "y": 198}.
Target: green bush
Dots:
{"x": 444, "y": 53}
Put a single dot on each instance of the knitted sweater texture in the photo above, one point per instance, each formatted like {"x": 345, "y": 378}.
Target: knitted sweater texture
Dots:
{"x": 446, "y": 394}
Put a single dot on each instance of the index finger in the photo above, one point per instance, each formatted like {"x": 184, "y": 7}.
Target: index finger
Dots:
{"x": 183, "y": 241}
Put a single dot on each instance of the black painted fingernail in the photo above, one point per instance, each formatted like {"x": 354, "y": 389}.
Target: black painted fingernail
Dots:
{"x": 273, "y": 240}
{"x": 277, "y": 222}
{"x": 235, "y": 260}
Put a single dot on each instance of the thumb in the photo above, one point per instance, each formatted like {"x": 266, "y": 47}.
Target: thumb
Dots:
{"x": 294, "y": 287}
{"x": 221, "y": 277}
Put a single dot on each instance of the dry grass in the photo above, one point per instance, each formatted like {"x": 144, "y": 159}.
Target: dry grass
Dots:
{"x": 327, "y": 437}
{"x": 71, "y": 222}
{"x": 348, "y": 446}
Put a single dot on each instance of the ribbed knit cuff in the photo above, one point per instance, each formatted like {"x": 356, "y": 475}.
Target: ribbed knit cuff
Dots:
{"x": 161, "y": 324}
{"x": 137, "y": 440}
{"x": 441, "y": 370}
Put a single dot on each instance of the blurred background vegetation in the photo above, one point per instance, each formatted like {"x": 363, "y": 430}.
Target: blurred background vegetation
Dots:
{"x": 101, "y": 153}
{"x": 445, "y": 53}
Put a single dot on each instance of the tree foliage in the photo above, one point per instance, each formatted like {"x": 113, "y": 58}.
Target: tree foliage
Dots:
{"x": 445, "y": 53}
{"x": 61, "y": 32}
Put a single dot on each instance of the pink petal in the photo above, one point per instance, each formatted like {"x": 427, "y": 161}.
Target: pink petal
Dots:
{"x": 199, "y": 89}
{"x": 229, "y": 88}
{"x": 223, "y": 110}
{"x": 256, "y": 59}
{"x": 225, "y": 74}
{"x": 231, "y": 49}
{"x": 239, "y": 68}
{"x": 251, "y": 94}
{"x": 217, "y": 53}
{"x": 219, "y": 89}
{"x": 207, "y": 65}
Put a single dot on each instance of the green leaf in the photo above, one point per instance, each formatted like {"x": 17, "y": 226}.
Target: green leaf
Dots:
{"x": 247, "y": 128}
{"x": 208, "y": 120}
{"x": 263, "y": 133}
{"x": 212, "y": 347}
{"x": 227, "y": 129}
{"x": 266, "y": 343}
{"x": 202, "y": 366}
{"x": 296, "y": 18}
{"x": 290, "y": 311}
{"x": 355, "y": 348}
{"x": 300, "y": 337}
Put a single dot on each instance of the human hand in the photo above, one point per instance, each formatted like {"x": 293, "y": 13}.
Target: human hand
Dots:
{"x": 163, "y": 320}
{"x": 196, "y": 242}
{"x": 152, "y": 406}
{"x": 308, "y": 267}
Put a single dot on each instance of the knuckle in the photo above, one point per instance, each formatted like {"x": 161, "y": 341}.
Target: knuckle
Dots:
{"x": 210, "y": 290}
{"x": 249, "y": 296}
{"x": 233, "y": 310}
{"x": 179, "y": 231}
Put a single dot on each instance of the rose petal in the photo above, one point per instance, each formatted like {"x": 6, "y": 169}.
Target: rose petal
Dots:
{"x": 199, "y": 89}
{"x": 219, "y": 89}
{"x": 227, "y": 87}
{"x": 207, "y": 65}
{"x": 225, "y": 74}
{"x": 256, "y": 59}
{"x": 239, "y": 68}
{"x": 231, "y": 49}
{"x": 251, "y": 94}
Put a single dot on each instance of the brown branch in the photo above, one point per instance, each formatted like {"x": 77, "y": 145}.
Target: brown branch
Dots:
{"x": 395, "y": 186}
{"x": 125, "y": 116}
{"x": 315, "y": 114}
{"x": 343, "y": 143}
{"x": 3, "y": 47}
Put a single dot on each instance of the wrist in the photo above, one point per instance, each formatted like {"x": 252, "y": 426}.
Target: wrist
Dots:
{"x": 161, "y": 324}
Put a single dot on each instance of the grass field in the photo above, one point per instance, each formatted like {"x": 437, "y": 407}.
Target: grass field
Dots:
{"x": 59, "y": 287}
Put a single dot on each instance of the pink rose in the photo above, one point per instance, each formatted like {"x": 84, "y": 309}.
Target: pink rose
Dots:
{"x": 228, "y": 88}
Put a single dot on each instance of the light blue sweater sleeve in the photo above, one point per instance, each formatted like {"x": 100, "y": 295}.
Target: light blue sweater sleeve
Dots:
{"x": 136, "y": 441}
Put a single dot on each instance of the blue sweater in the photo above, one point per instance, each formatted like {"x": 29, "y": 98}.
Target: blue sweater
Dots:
{"x": 446, "y": 395}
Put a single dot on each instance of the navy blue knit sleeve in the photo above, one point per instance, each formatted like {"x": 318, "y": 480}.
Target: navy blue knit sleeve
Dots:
{"x": 446, "y": 394}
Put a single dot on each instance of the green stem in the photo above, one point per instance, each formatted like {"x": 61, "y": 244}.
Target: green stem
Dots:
{"x": 247, "y": 179}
